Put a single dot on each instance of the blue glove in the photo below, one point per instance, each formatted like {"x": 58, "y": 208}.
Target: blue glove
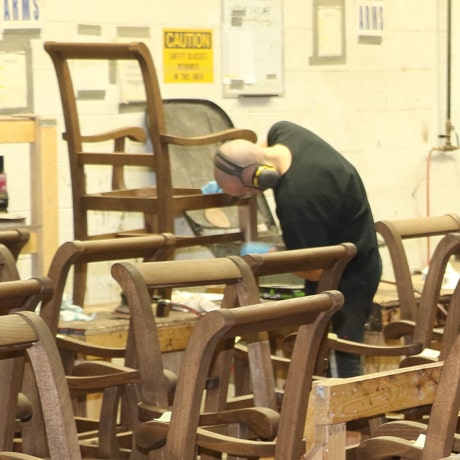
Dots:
{"x": 211, "y": 187}
{"x": 255, "y": 247}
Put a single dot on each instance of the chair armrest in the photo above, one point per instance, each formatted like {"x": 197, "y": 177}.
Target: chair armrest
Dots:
{"x": 261, "y": 420}
{"x": 133, "y": 133}
{"x": 152, "y": 435}
{"x": 90, "y": 376}
{"x": 84, "y": 348}
{"x": 426, "y": 356}
{"x": 397, "y": 329}
{"x": 115, "y": 158}
{"x": 383, "y": 447}
{"x": 228, "y": 134}
{"x": 348, "y": 346}
{"x": 407, "y": 429}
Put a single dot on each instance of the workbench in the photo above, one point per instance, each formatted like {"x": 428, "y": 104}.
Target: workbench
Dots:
{"x": 108, "y": 330}
{"x": 40, "y": 134}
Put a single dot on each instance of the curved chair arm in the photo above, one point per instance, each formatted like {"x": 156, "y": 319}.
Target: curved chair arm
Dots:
{"x": 260, "y": 420}
{"x": 227, "y": 134}
{"x": 263, "y": 422}
{"x": 398, "y": 329}
{"x": 84, "y": 348}
{"x": 94, "y": 376}
{"x": 133, "y": 133}
{"x": 348, "y": 346}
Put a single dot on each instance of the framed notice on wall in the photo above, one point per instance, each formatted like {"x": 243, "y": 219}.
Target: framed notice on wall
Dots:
{"x": 252, "y": 55}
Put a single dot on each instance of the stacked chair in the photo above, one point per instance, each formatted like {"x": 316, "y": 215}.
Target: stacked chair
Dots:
{"x": 394, "y": 234}
{"x": 240, "y": 289}
{"x": 398, "y": 438}
{"x": 85, "y": 377}
{"x": 420, "y": 333}
{"x": 118, "y": 149}
{"x": 24, "y": 335}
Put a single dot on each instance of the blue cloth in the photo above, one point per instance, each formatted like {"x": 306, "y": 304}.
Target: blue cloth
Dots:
{"x": 255, "y": 247}
{"x": 211, "y": 187}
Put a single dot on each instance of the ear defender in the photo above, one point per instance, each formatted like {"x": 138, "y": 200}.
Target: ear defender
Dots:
{"x": 261, "y": 178}
{"x": 265, "y": 177}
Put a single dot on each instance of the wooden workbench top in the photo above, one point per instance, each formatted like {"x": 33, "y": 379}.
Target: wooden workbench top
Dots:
{"x": 108, "y": 330}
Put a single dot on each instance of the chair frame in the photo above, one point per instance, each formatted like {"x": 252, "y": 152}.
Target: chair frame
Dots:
{"x": 393, "y": 233}
{"x": 397, "y": 438}
{"x": 136, "y": 280}
{"x": 82, "y": 377}
{"x": 72, "y": 253}
{"x": 418, "y": 333}
{"x": 312, "y": 313}
{"x": 331, "y": 260}
{"x": 162, "y": 203}
{"x": 27, "y": 332}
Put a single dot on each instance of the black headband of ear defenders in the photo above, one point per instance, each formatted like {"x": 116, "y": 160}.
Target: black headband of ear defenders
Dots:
{"x": 225, "y": 164}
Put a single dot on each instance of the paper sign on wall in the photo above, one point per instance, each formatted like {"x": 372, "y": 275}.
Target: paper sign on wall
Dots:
{"x": 188, "y": 56}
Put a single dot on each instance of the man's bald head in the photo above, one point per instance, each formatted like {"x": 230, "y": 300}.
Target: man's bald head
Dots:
{"x": 238, "y": 171}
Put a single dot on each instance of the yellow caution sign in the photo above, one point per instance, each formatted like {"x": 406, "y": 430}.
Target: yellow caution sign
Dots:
{"x": 188, "y": 56}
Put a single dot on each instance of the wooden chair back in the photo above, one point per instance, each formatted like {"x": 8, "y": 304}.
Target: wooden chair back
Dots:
{"x": 418, "y": 333}
{"x": 452, "y": 324}
{"x": 159, "y": 204}
{"x": 191, "y": 117}
{"x": 24, "y": 335}
{"x": 426, "y": 313}
{"x": 234, "y": 275}
{"x": 331, "y": 260}
{"x": 394, "y": 233}
{"x": 311, "y": 314}
{"x": 74, "y": 351}
{"x": 72, "y": 253}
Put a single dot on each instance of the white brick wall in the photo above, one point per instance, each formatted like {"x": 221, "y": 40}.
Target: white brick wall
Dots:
{"x": 383, "y": 109}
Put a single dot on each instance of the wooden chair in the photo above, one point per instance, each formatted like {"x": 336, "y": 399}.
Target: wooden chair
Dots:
{"x": 158, "y": 204}
{"x": 14, "y": 240}
{"x": 25, "y": 335}
{"x": 394, "y": 233}
{"x": 84, "y": 378}
{"x": 99, "y": 377}
{"x": 20, "y": 295}
{"x": 412, "y": 429}
{"x": 191, "y": 117}
{"x": 90, "y": 377}
{"x": 443, "y": 342}
{"x": 233, "y": 275}
{"x": 398, "y": 438}
{"x": 184, "y": 434}
{"x": 73, "y": 253}
{"x": 331, "y": 260}
{"x": 418, "y": 333}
